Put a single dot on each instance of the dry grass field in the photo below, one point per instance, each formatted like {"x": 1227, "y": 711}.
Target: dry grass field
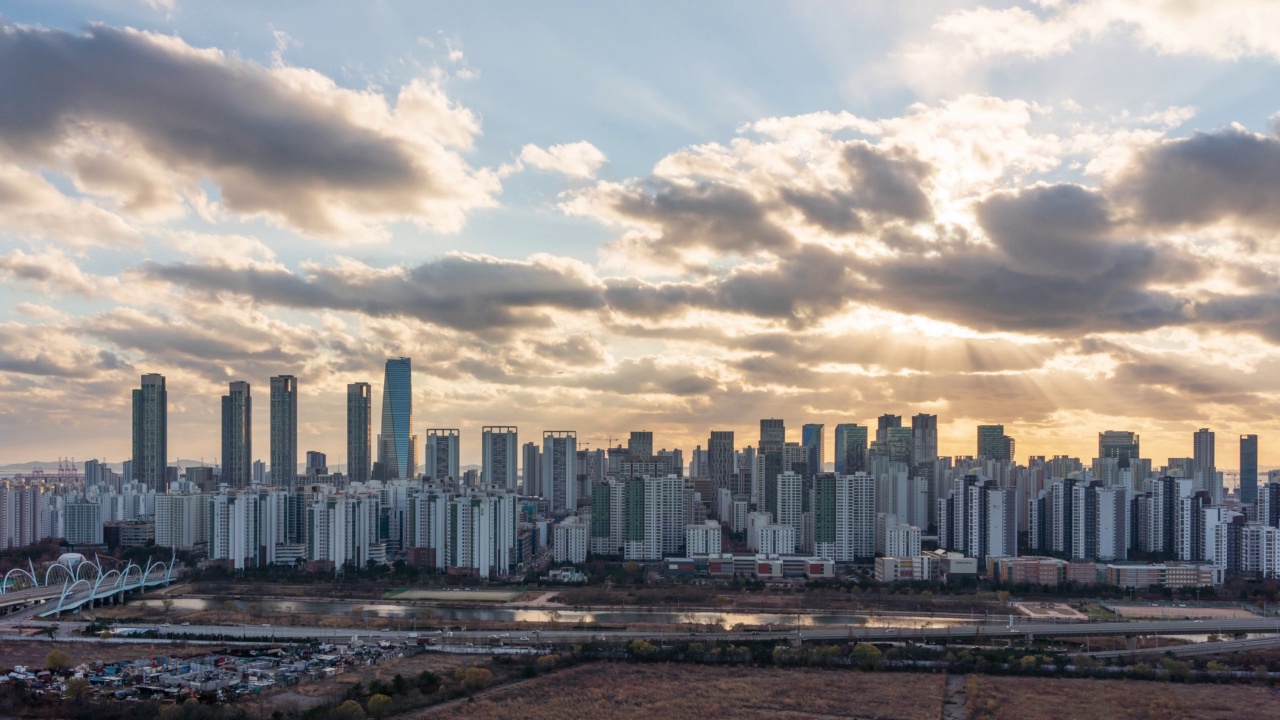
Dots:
{"x": 1011, "y": 698}
{"x": 694, "y": 691}
{"x": 32, "y": 653}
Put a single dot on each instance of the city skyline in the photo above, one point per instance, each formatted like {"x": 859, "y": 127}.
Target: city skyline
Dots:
{"x": 828, "y": 214}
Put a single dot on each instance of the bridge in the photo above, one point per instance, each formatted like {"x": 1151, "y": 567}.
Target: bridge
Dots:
{"x": 72, "y": 583}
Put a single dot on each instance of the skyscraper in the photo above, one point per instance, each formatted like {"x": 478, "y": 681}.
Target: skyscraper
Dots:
{"x": 397, "y": 445}
{"x": 531, "y": 469}
{"x": 559, "y": 469}
{"x": 640, "y": 444}
{"x": 499, "y": 450}
{"x": 720, "y": 458}
{"x": 924, "y": 438}
{"x": 1204, "y": 448}
{"x": 284, "y": 430}
{"x": 773, "y": 438}
{"x": 150, "y": 432}
{"x": 851, "y": 448}
{"x": 993, "y": 444}
{"x": 237, "y": 435}
{"x": 1120, "y": 444}
{"x": 1248, "y": 468}
{"x": 883, "y": 423}
{"x": 442, "y": 453}
{"x": 359, "y": 431}
{"x": 811, "y": 437}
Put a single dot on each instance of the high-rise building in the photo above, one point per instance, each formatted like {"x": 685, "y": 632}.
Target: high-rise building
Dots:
{"x": 977, "y": 518}
{"x": 317, "y": 463}
{"x": 924, "y": 438}
{"x": 359, "y": 431}
{"x": 844, "y": 516}
{"x": 640, "y": 444}
{"x": 720, "y": 458}
{"x": 773, "y": 440}
{"x": 150, "y": 432}
{"x": 811, "y": 438}
{"x": 1248, "y": 468}
{"x": 237, "y": 436}
{"x": 397, "y": 445}
{"x": 1120, "y": 444}
{"x": 284, "y": 430}
{"x": 851, "y": 448}
{"x": 442, "y": 453}
{"x": 1203, "y": 451}
{"x": 499, "y": 457}
{"x": 993, "y": 444}
{"x": 559, "y": 469}
{"x": 883, "y": 423}
{"x": 531, "y": 470}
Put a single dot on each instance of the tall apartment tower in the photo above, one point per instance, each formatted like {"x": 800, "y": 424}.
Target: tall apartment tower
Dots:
{"x": 773, "y": 439}
{"x": 150, "y": 432}
{"x": 359, "y": 431}
{"x": 720, "y": 458}
{"x": 883, "y": 423}
{"x": 442, "y": 453}
{"x": 284, "y": 430}
{"x": 397, "y": 445}
{"x": 499, "y": 455}
{"x": 811, "y": 438}
{"x": 1204, "y": 449}
{"x": 993, "y": 444}
{"x": 1120, "y": 444}
{"x": 924, "y": 438}
{"x": 237, "y": 436}
{"x": 851, "y": 448}
{"x": 559, "y": 476}
{"x": 1248, "y": 468}
{"x": 640, "y": 444}
{"x": 531, "y": 468}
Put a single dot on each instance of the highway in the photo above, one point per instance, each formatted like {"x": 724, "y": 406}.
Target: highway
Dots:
{"x": 1202, "y": 648}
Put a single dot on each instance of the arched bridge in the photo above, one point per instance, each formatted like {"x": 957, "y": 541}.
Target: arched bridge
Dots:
{"x": 67, "y": 586}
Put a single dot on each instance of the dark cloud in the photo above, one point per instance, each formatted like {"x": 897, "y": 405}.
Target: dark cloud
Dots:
{"x": 1050, "y": 229}
{"x": 280, "y": 141}
{"x": 463, "y": 292}
{"x": 888, "y": 182}
{"x": 701, "y": 215}
{"x": 1207, "y": 177}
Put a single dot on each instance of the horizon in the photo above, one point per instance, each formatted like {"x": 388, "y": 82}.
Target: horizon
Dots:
{"x": 670, "y": 218}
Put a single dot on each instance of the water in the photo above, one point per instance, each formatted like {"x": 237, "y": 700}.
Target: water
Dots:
{"x": 566, "y": 616}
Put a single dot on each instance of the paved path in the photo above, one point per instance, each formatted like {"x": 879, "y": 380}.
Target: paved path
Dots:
{"x": 954, "y": 699}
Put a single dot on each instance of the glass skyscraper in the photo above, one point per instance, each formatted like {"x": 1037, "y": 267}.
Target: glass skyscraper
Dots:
{"x": 237, "y": 436}
{"x": 284, "y": 430}
{"x": 359, "y": 418}
{"x": 851, "y": 448}
{"x": 397, "y": 444}
{"x": 1248, "y": 468}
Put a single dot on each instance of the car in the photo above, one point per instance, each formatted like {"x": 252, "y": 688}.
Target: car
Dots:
{"x": 186, "y": 624}
{"x": 164, "y": 624}
{"x": 1199, "y": 621}
{"x": 386, "y": 629}
{"x": 266, "y": 624}
{"x": 524, "y": 639}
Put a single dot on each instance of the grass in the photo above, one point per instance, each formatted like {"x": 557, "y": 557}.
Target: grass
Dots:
{"x": 696, "y": 691}
{"x": 1011, "y": 698}
{"x": 453, "y": 595}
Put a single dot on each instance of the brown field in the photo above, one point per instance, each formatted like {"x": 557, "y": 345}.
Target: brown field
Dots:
{"x": 1010, "y": 698}
{"x": 696, "y": 691}
{"x": 31, "y": 653}
{"x": 1176, "y": 613}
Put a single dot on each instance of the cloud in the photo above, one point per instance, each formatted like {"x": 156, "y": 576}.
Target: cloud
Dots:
{"x": 467, "y": 292}
{"x": 143, "y": 119}
{"x": 579, "y": 160}
{"x": 32, "y": 208}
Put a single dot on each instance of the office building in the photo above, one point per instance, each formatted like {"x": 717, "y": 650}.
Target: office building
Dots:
{"x": 640, "y": 444}
{"x": 284, "y": 430}
{"x": 559, "y": 469}
{"x": 1119, "y": 444}
{"x": 499, "y": 457}
{"x": 397, "y": 445}
{"x": 150, "y": 432}
{"x": 851, "y": 448}
{"x": 1248, "y": 469}
{"x": 442, "y": 453}
{"x": 531, "y": 469}
{"x": 924, "y": 439}
{"x": 811, "y": 439}
{"x": 883, "y": 423}
{"x": 359, "y": 432}
{"x": 237, "y": 436}
{"x": 993, "y": 444}
{"x": 720, "y": 460}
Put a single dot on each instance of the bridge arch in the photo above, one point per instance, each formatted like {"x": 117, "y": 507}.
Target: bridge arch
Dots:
{"x": 154, "y": 565}
{"x": 67, "y": 590}
{"x": 21, "y": 573}
{"x": 97, "y": 584}
{"x": 84, "y": 566}
{"x": 130, "y": 568}
{"x": 69, "y": 574}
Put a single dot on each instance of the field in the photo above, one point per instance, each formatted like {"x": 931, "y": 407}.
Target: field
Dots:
{"x": 446, "y": 595}
{"x": 1176, "y": 613}
{"x": 1010, "y": 698}
{"x": 31, "y": 653}
{"x": 696, "y": 691}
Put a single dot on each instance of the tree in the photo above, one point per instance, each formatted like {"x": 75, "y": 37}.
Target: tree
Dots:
{"x": 475, "y": 678}
{"x": 167, "y": 604}
{"x": 57, "y": 660}
{"x": 553, "y": 616}
{"x": 641, "y": 648}
{"x": 379, "y": 705}
{"x": 349, "y": 710}
{"x": 867, "y": 657}
{"x": 76, "y": 689}
{"x": 51, "y": 631}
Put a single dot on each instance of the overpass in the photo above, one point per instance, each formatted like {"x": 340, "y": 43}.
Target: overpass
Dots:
{"x": 68, "y": 585}
{"x": 1221, "y": 647}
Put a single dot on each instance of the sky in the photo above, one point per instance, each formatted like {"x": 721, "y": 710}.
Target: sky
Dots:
{"x": 1057, "y": 215}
